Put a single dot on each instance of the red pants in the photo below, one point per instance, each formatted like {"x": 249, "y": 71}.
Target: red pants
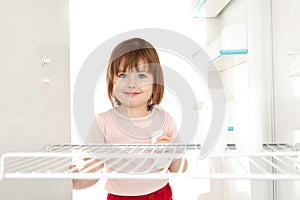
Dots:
{"x": 165, "y": 193}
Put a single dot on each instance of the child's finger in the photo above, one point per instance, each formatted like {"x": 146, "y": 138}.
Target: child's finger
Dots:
{"x": 163, "y": 139}
{"x": 73, "y": 168}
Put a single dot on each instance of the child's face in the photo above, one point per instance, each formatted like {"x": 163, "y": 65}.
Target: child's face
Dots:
{"x": 133, "y": 88}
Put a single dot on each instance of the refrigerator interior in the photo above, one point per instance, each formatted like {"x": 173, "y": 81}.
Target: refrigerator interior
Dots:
{"x": 252, "y": 44}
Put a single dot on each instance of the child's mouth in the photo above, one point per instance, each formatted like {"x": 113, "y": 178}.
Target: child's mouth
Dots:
{"x": 131, "y": 93}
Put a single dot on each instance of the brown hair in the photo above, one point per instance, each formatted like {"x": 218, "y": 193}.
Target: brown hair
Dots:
{"x": 126, "y": 56}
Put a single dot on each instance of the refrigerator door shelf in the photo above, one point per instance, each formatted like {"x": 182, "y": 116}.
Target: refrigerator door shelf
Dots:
{"x": 226, "y": 59}
{"x": 209, "y": 8}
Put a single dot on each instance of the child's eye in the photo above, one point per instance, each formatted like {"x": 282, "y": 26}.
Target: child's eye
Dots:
{"x": 142, "y": 75}
{"x": 122, "y": 75}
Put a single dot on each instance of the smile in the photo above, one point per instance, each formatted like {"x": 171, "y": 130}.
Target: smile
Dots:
{"x": 131, "y": 93}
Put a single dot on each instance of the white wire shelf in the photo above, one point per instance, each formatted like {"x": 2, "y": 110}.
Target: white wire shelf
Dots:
{"x": 121, "y": 161}
{"x": 275, "y": 162}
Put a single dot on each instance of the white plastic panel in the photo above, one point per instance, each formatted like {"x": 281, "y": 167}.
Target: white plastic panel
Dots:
{"x": 35, "y": 99}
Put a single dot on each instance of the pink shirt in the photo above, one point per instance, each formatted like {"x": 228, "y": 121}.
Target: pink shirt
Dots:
{"x": 114, "y": 128}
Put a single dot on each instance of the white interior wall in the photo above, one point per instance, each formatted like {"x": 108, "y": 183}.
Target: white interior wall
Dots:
{"x": 286, "y": 31}
{"x": 286, "y": 46}
{"x": 34, "y": 113}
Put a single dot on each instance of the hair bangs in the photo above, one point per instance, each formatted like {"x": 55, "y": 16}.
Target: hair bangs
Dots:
{"x": 138, "y": 60}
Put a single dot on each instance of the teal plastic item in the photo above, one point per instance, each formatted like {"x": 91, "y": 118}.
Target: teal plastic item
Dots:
{"x": 198, "y": 7}
{"x": 233, "y": 51}
{"x": 230, "y": 128}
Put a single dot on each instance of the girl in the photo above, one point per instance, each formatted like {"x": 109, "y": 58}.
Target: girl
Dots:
{"x": 135, "y": 89}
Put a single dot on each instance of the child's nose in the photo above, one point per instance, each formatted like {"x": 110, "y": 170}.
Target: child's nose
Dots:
{"x": 132, "y": 82}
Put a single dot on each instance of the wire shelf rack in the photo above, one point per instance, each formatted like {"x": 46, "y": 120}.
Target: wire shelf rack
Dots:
{"x": 62, "y": 161}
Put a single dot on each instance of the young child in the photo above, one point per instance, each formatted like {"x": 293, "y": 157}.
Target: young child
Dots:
{"x": 135, "y": 89}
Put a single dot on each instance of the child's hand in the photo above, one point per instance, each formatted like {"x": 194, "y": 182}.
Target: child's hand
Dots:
{"x": 164, "y": 162}
{"x": 163, "y": 139}
{"x": 90, "y": 165}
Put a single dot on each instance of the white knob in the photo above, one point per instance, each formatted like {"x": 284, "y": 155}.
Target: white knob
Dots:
{"x": 45, "y": 61}
{"x": 46, "y": 81}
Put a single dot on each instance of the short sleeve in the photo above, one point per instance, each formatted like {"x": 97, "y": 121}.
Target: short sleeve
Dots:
{"x": 172, "y": 129}
{"x": 96, "y": 132}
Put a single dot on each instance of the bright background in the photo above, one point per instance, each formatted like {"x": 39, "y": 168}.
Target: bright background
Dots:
{"x": 93, "y": 22}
